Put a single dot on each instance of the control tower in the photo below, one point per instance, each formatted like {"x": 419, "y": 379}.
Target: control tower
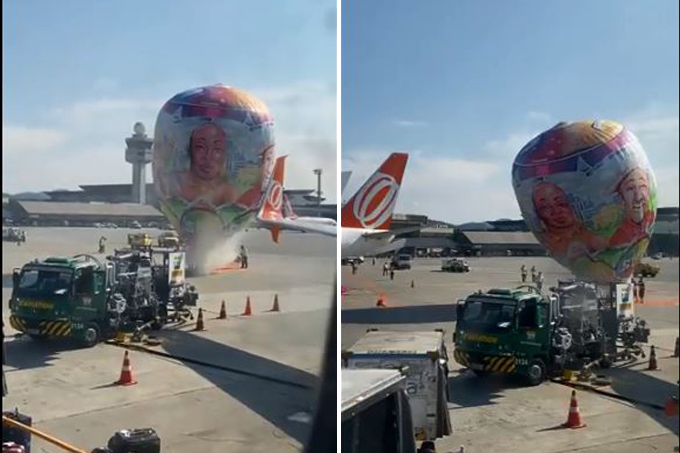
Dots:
{"x": 139, "y": 153}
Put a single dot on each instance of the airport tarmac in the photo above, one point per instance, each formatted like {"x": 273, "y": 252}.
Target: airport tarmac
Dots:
{"x": 499, "y": 413}
{"x": 264, "y": 404}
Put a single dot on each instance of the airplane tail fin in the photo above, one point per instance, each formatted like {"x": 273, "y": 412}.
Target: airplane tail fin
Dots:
{"x": 272, "y": 203}
{"x": 373, "y": 204}
{"x": 287, "y": 209}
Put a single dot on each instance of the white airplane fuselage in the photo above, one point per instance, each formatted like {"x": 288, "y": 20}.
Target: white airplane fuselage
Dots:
{"x": 356, "y": 242}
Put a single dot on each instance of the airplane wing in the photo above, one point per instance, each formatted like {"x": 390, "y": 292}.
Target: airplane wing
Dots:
{"x": 301, "y": 225}
{"x": 387, "y": 233}
{"x": 271, "y": 214}
{"x": 391, "y": 247}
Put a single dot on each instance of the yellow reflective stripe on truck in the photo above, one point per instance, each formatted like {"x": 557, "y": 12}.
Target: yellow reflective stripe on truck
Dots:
{"x": 497, "y": 364}
{"x": 55, "y": 328}
{"x": 16, "y": 323}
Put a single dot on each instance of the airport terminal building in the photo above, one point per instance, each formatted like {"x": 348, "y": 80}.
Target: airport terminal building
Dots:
{"x": 111, "y": 203}
{"x": 506, "y": 237}
{"x": 58, "y": 213}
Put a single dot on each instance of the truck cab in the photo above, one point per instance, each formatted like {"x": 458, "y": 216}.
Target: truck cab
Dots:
{"x": 402, "y": 261}
{"x": 505, "y": 331}
{"x": 60, "y": 297}
{"x": 139, "y": 241}
{"x": 169, "y": 239}
{"x": 455, "y": 265}
{"x": 375, "y": 412}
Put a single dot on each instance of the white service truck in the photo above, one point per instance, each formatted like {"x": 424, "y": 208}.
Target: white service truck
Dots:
{"x": 423, "y": 359}
{"x": 375, "y": 412}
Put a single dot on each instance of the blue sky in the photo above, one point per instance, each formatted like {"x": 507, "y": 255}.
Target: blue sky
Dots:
{"x": 77, "y": 75}
{"x": 463, "y": 84}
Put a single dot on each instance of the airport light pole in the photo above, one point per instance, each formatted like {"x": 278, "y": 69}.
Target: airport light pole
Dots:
{"x": 318, "y": 172}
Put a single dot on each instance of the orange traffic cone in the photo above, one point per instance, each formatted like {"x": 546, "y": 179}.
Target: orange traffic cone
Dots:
{"x": 223, "y": 311}
{"x": 275, "y": 307}
{"x": 248, "y": 310}
{"x": 653, "y": 364}
{"x": 574, "y": 420}
{"x": 676, "y": 353}
{"x": 126, "y": 378}
{"x": 199, "y": 321}
{"x": 380, "y": 302}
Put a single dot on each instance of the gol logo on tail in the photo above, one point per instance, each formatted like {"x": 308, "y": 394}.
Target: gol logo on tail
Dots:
{"x": 374, "y": 203}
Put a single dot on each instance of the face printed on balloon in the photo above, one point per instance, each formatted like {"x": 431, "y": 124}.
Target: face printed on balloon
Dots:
{"x": 552, "y": 207}
{"x": 634, "y": 191}
{"x": 207, "y": 151}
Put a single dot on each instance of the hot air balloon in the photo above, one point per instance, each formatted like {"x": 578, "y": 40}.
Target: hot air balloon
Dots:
{"x": 213, "y": 154}
{"x": 587, "y": 192}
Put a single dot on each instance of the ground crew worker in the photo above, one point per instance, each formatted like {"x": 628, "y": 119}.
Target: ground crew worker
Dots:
{"x": 102, "y": 244}
{"x": 636, "y": 294}
{"x": 392, "y": 273}
{"x": 373, "y": 260}
{"x": 354, "y": 267}
{"x": 641, "y": 290}
{"x": 386, "y": 269}
{"x": 533, "y": 274}
{"x": 244, "y": 258}
{"x": 539, "y": 281}
{"x": 523, "y": 270}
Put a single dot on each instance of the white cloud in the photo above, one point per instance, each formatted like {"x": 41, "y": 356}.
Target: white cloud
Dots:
{"x": 444, "y": 188}
{"x": 305, "y": 116}
{"x": 508, "y": 147}
{"x": 105, "y": 84}
{"x": 539, "y": 117}
{"x": 25, "y": 141}
{"x": 409, "y": 123}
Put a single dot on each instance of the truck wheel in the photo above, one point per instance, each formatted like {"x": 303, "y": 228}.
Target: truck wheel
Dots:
{"x": 91, "y": 336}
{"x": 39, "y": 337}
{"x": 536, "y": 373}
{"x": 481, "y": 373}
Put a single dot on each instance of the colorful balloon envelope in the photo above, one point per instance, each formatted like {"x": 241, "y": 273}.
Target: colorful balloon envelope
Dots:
{"x": 587, "y": 192}
{"x": 213, "y": 155}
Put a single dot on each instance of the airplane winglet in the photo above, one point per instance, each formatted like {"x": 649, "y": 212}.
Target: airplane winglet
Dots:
{"x": 274, "y": 230}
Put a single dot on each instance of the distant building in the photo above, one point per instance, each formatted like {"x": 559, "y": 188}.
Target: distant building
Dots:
{"x": 498, "y": 243}
{"x": 305, "y": 203}
{"x": 666, "y": 232}
{"x": 49, "y": 213}
{"x": 498, "y": 237}
{"x": 103, "y": 193}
